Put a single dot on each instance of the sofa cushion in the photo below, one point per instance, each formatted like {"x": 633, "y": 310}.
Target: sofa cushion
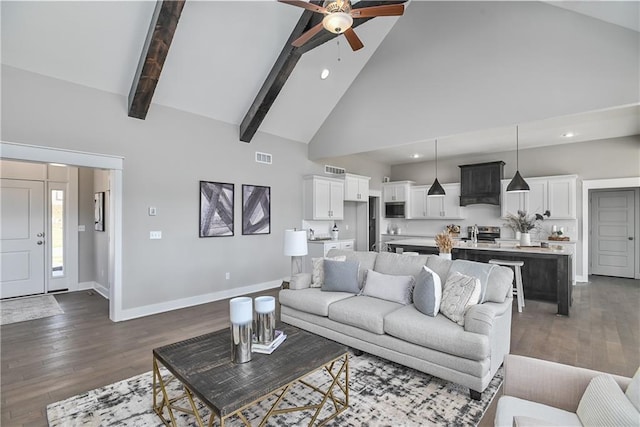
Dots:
{"x": 440, "y": 265}
{"x": 499, "y": 284}
{"x": 427, "y": 292}
{"x": 479, "y": 270}
{"x": 317, "y": 273}
{"x": 363, "y": 312}
{"x": 510, "y": 407}
{"x": 604, "y": 404}
{"x": 390, "y": 263}
{"x": 633, "y": 390}
{"x": 311, "y": 300}
{"x": 367, "y": 260}
{"x": 437, "y": 333}
{"x": 388, "y": 287}
{"x": 460, "y": 292}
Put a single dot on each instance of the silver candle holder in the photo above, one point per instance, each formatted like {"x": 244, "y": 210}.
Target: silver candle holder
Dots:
{"x": 241, "y": 314}
{"x": 265, "y": 319}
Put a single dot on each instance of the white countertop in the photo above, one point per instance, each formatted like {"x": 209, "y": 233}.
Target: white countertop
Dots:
{"x": 499, "y": 247}
{"x": 329, "y": 240}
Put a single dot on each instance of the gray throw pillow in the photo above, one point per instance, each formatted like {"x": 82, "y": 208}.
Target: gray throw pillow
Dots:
{"x": 604, "y": 404}
{"x": 340, "y": 276}
{"x": 428, "y": 292}
{"x": 388, "y": 287}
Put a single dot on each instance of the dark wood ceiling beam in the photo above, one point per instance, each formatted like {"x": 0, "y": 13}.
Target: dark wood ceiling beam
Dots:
{"x": 287, "y": 61}
{"x": 277, "y": 77}
{"x": 156, "y": 47}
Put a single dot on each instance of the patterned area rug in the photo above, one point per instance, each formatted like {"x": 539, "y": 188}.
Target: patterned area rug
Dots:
{"x": 381, "y": 393}
{"x": 23, "y": 309}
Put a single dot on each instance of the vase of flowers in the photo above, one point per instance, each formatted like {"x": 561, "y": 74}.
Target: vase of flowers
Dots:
{"x": 523, "y": 223}
{"x": 445, "y": 244}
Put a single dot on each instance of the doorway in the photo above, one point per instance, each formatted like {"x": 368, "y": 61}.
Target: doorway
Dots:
{"x": 32, "y": 153}
{"x": 374, "y": 223}
{"x": 613, "y": 218}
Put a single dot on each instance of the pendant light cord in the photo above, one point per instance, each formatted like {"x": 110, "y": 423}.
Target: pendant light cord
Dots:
{"x": 517, "y": 150}
{"x": 436, "y": 158}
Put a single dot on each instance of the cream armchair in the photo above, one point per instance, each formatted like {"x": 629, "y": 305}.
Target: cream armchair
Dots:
{"x": 542, "y": 393}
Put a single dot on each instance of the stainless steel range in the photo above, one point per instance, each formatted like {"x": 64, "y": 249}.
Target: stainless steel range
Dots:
{"x": 485, "y": 233}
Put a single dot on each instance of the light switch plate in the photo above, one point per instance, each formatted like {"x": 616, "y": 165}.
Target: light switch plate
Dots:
{"x": 81, "y": 228}
{"x": 152, "y": 211}
{"x": 153, "y": 235}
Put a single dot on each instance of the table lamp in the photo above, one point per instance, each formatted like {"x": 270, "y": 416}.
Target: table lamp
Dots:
{"x": 295, "y": 246}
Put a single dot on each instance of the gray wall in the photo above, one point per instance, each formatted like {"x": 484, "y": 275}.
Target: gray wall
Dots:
{"x": 481, "y": 65}
{"x": 165, "y": 156}
{"x": 86, "y": 241}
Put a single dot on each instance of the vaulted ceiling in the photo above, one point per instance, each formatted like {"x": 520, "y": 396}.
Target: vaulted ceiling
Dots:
{"x": 222, "y": 52}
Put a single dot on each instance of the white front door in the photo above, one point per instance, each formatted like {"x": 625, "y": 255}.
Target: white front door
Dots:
{"x": 612, "y": 233}
{"x": 22, "y": 238}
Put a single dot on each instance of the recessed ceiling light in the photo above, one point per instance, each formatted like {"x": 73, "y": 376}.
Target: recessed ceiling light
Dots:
{"x": 58, "y": 164}
{"x": 568, "y": 135}
{"x": 324, "y": 73}
{"x": 415, "y": 156}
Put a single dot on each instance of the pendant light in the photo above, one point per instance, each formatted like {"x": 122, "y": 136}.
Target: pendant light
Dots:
{"x": 436, "y": 189}
{"x": 517, "y": 184}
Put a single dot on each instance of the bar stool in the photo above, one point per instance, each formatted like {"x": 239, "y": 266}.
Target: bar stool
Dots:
{"x": 518, "y": 291}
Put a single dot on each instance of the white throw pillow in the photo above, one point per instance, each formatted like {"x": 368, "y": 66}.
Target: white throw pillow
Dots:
{"x": 427, "y": 293}
{"x": 388, "y": 287}
{"x": 604, "y": 404}
{"x": 317, "y": 275}
{"x": 460, "y": 292}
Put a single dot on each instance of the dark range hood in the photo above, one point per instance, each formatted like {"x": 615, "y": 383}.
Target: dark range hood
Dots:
{"x": 480, "y": 183}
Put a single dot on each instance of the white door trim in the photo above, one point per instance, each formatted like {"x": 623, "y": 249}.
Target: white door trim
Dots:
{"x": 34, "y": 153}
{"x": 603, "y": 184}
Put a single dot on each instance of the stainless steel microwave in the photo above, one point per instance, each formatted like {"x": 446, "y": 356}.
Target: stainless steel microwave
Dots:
{"x": 394, "y": 210}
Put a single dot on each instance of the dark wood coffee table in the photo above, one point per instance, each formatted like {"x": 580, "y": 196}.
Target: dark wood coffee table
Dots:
{"x": 203, "y": 367}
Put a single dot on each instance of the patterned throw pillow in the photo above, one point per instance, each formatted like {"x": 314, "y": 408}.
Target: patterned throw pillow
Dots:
{"x": 388, "y": 287}
{"x": 604, "y": 404}
{"x": 427, "y": 294}
{"x": 317, "y": 275}
{"x": 460, "y": 292}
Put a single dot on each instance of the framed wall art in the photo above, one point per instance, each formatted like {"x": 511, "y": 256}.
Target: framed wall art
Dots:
{"x": 98, "y": 211}
{"x": 256, "y": 209}
{"x": 216, "y": 209}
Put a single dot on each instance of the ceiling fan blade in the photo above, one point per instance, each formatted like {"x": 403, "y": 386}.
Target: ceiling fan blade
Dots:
{"x": 305, "y": 5}
{"x": 353, "y": 39}
{"x": 305, "y": 37}
{"x": 384, "y": 10}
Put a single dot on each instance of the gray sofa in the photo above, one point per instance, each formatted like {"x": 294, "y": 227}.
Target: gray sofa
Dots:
{"x": 468, "y": 355}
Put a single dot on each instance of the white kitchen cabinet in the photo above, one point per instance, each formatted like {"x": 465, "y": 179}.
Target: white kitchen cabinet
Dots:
{"x": 323, "y": 198}
{"x": 396, "y": 191}
{"x": 418, "y": 202}
{"x": 356, "y": 188}
{"x": 554, "y": 193}
{"x": 447, "y": 207}
{"x": 320, "y": 248}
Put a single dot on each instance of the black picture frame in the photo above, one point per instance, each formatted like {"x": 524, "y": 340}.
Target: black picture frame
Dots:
{"x": 98, "y": 211}
{"x": 216, "y": 209}
{"x": 256, "y": 209}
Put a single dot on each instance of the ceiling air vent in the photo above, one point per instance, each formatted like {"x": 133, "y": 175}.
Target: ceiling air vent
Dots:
{"x": 265, "y": 158}
{"x": 333, "y": 170}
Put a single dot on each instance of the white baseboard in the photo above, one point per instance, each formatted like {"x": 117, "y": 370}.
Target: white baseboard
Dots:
{"x": 101, "y": 289}
{"x": 148, "y": 310}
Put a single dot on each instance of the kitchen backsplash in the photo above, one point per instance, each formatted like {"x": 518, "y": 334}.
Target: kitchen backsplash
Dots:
{"x": 476, "y": 214}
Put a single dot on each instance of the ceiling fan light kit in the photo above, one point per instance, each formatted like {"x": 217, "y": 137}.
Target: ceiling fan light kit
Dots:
{"x": 337, "y": 22}
{"x": 517, "y": 184}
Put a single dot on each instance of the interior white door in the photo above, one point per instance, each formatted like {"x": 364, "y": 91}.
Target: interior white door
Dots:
{"x": 22, "y": 238}
{"x": 612, "y": 233}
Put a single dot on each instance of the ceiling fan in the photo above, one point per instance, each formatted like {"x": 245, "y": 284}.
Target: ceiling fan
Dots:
{"x": 338, "y": 18}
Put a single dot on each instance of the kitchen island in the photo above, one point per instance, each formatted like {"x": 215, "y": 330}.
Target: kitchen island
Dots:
{"x": 546, "y": 274}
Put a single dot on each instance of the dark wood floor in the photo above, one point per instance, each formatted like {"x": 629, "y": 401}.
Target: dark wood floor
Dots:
{"x": 46, "y": 360}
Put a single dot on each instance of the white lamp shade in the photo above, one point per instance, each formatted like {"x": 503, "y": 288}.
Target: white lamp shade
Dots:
{"x": 265, "y": 304}
{"x": 241, "y": 310}
{"x": 295, "y": 242}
